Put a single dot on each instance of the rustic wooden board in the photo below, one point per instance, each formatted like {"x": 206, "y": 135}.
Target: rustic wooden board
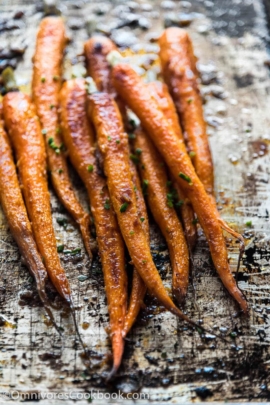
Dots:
{"x": 163, "y": 359}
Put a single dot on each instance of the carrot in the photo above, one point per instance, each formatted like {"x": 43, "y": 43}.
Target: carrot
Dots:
{"x": 79, "y": 138}
{"x": 138, "y": 287}
{"x": 179, "y": 71}
{"x": 136, "y": 94}
{"x": 160, "y": 92}
{"x": 26, "y": 139}
{"x": 14, "y": 209}
{"x": 112, "y": 142}
{"x": 96, "y": 50}
{"x": 46, "y": 84}
{"x": 161, "y": 203}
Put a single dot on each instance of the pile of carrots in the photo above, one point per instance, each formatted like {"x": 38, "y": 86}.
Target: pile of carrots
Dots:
{"x": 155, "y": 166}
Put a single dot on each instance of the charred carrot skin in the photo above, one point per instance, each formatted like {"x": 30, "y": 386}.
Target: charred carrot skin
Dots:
{"x": 105, "y": 115}
{"x": 26, "y": 139}
{"x": 179, "y": 72}
{"x": 136, "y": 94}
{"x": 46, "y": 84}
{"x": 79, "y": 139}
{"x": 154, "y": 177}
{"x": 160, "y": 92}
{"x": 96, "y": 50}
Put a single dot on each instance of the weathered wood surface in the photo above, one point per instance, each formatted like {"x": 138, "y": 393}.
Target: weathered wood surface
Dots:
{"x": 164, "y": 358}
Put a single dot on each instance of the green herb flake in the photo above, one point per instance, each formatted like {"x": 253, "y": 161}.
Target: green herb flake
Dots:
{"x": 52, "y": 106}
{"x": 142, "y": 167}
{"x": 60, "y": 171}
{"x": 52, "y": 145}
{"x": 55, "y": 78}
{"x": 142, "y": 219}
{"x": 249, "y": 224}
{"x": 58, "y": 130}
{"x": 90, "y": 168}
{"x": 62, "y": 221}
{"x": 185, "y": 177}
{"x": 132, "y": 136}
{"x": 190, "y": 100}
{"x": 131, "y": 232}
{"x": 60, "y": 248}
{"x": 138, "y": 151}
{"x": 179, "y": 203}
{"x": 132, "y": 123}
{"x": 82, "y": 278}
{"x": 192, "y": 154}
{"x": 164, "y": 355}
{"x": 75, "y": 251}
{"x": 233, "y": 335}
{"x": 117, "y": 141}
{"x": 109, "y": 138}
{"x": 44, "y": 131}
{"x": 145, "y": 185}
{"x": 144, "y": 261}
{"x": 107, "y": 204}
{"x": 134, "y": 159}
{"x": 169, "y": 183}
{"x": 43, "y": 79}
{"x": 123, "y": 207}
{"x": 195, "y": 221}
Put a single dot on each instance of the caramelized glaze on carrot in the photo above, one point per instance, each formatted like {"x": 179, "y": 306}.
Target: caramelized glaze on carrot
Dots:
{"x": 14, "y": 209}
{"x": 112, "y": 141}
{"x": 79, "y": 138}
{"x": 160, "y": 202}
{"x": 46, "y": 84}
{"x": 179, "y": 71}
{"x": 26, "y": 139}
{"x": 136, "y": 94}
{"x": 160, "y": 92}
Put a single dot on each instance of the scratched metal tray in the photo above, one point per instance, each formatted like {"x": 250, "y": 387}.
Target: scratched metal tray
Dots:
{"x": 164, "y": 359}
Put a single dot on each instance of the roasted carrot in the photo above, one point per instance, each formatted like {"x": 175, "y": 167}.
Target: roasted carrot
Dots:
{"x": 96, "y": 50}
{"x": 179, "y": 71}
{"x": 26, "y": 139}
{"x": 138, "y": 287}
{"x": 46, "y": 84}
{"x": 14, "y": 209}
{"x": 160, "y": 92}
{"x": 136, "y": 94}
{"x": 161, "y": 203}
{"x": 112, "y": 141}
{"x": 79, "y": 139}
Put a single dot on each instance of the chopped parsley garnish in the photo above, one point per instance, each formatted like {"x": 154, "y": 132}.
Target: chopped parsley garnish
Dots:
{"x": 249, "y": 224}
{"x": 53, "y": 145}
{"x": 169, "y": 183}
{"x": 107, "y": 204}
{"x": 190, "y": 100}
{"x": 72, "y": 252}
{"x": 52, "y": 106}
{"x": 43, "y": 79}
{"x": 58, "y": 130}
{"x": 138, "y": 151}
{"x": 179, "y": 203}
{"x": 60, "y": 248}
{"x": 44, "y": 131}
{"x": 62, "y": 221}
{"x": 131, "y": 232}
{"x": 90, "y": 168}
{"x": 109, "y": 138}
{"x": 123, "y": 207}
{"x": 145, "y": 186}
{"x": 172, "y": 197}
{"x": 134, "y": 158}
{"x": 192, "y": 154}
{"x": 185, "y": 177}
{"x": 142, "y": 219}
{"x": 60, "y": 171}
{"x": 131, "y": 136}
{"x": 55, "y": 78}
{"x": 117, "y": 141}
{"x": 195, "y": 221}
